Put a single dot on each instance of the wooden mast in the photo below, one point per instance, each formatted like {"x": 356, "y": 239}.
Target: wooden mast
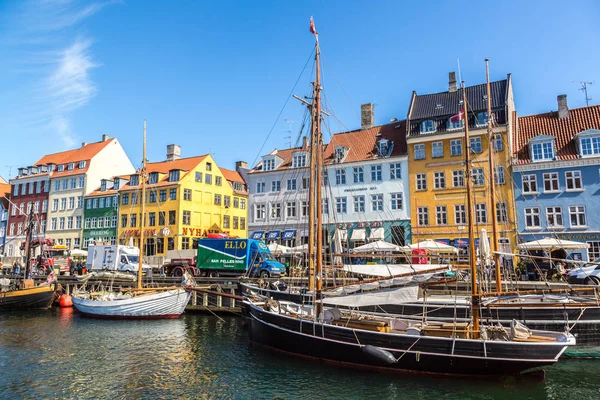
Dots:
{"x": 472, "y": 263}
{"x": 143, "y": 179}
{"x": 491, "y": 166}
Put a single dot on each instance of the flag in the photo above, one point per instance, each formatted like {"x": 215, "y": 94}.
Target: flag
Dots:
{"x": 457, "y": 117}
{"x": 313, "y": 30}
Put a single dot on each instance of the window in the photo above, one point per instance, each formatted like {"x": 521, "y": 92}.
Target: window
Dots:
{"x": 114, "y": 221}
{"x": 340, "y": 177}
{"x": 275, "y": 211}
{"x": 152, "y": 219}
{"x": 428, "y": 126}
{"x": 46, "y": 186}
{"x": 65, "y": 184}
{"x": 134, "y": 180}
{"x": 458, "y": 178}
{"x": 290, "y": 209}
{"x": 478, "y": 177}
{"x": 341, "y": 205}
{"x": 482, "y": 119}
{"x": 209, "y": 166}
{"x": 61, "y": 223}
{"x": 481, "y": 213}
{"x": 226, "y": 201}
{"x": 134, "y": 199}
{"x": 501, "y": 212}
{"x": 590, "y": 146}
{"x": 377, "y": 202}
{"x": 73, "y": 183}
{"x": 269, "y": 164}
{"x": 61, "y": 168}
{"x": 81, "y": 164}
{"x": 437, "y": 149}
{"x": 260, "y": 211}
{"x": 532, "y": 217}
{"x": 554, "y": 217}
{"x": 187, "y": 217}
{"x": 172, "y": 217}
{"x": 423, "y": 216}
{"x": 108, "y": 201}
{"x": 63, "y": 203}
{"x": 132, "y": 221}
{"x": 152, "y": 196}
{"x": 396, "y": 201}
{"x": 358, "y": 174}
{"x": 125, "y": 199}
{"x": 162, "y": 195}
{"x": 542, "y": 151}
{"x": 19, "y": 228}
{"x": 208, "y": 179}
{"x": 198, "y": 177}
{"x": 44, "y": 206}
{"x": 174, "y": 176}
{"x": 226, "y": 221}
{"x": 43, "y": 226}
{"x": 275, "y": 186}
{"x": 421, "y": 181}
{"x": 460, "y": 214}
{"x": 78, "y": 220}
{"x": 217, "y": 201}
{"x": 529, "y": 184}
{"x": 82, "y": 181}
{"x": 441, "y": 215}
{"x": 453, "y": 125}
{"x": 57, "y": 185}
{"x": 236, "y": 222}
{"x": 38, "y": 187}
{"x": 260, "y": 187}
{"x": 187, "y": 194}
{"x": 11, "y": 231}
{"x": 551, "y": 182}
{"x": 161, "y": 218}
{"x": 476, "y": 145}
{"x": 594, "y": 250}
{"x": 299, "y": 161}
{"x": 153, "y": 178}
{"x": 69, "y": 222}
{"x": 359, "y": 203}
{"x": 499, "y": 178}
{"x": 574, "y": 181}
{"x": 218, "y": 181}
{"x": 242, "y": 223}
{"x": 291, "y": 184}
{"x": 304, "y": 208}
{"x": 395, "y": 171}
{"x": 242, "y": 204}
{"x": 419, "y": 151}
{"x": 577, "y": 216}
{"x": 325, "y": 206}
{"x": 498, "y": 144}
{"x": 88, "y": 204}
{"x": 456, "y": 147}
{"x": 439, "y": 180}
{"x": 305, "y": 183}
{"x": 236, "y": 202}
{"x": 116, "y": 184}
{"x": 53, "y": 224}
{"x": 16, "y": 190}
{"x": 173, "y": 194}
{"x": 54, "y": 205}
{"x": 376, "y": 173}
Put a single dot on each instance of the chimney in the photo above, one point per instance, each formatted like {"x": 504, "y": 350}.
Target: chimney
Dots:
{"x": 563, "y": 109}
{"x": 83, "y": 144}
{"x": 367, "y": 116}
{"x": 305, "y": 142}
{"x": 173, "y": 152}
{"x": 105, "y": 137}
{"x": 452, "y": 82}
{"x": 241, "y": 164}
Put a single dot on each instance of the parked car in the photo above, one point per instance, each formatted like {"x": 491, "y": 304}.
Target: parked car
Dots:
{"x": 589, "y": 274}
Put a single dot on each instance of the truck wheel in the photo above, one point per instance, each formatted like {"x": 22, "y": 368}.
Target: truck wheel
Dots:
{"x": 264, "y": 274}
{"x": 178, "y": 272}
{"x": 213, "y": 274}
{"x": 592, "y": 280}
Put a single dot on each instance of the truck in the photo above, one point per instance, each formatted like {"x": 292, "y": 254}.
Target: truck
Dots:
{"x": 115, "y": 258}
{"x": 179, "y": 261}
{"x": 235, "y": 257}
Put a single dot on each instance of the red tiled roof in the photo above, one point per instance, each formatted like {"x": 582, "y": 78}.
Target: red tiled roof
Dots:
{"x": 183, "y": 164}
{"x": 285, "y": 154}
{"x": 362, "y": 143}
{"x": 234, "y": 176}
{"x": 563, "y": 129}
{"x": 85, "y": 153}
{"x": 98, "y": 192}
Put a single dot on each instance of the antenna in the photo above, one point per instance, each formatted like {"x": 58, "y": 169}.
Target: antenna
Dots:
{"x": 289, "y": 131}
{"x": 583, "y": 88}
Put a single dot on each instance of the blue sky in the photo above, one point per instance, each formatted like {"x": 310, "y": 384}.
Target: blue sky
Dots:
{"x": 213, "y": 76}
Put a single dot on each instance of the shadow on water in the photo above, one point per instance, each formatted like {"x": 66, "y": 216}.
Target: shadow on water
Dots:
{"x": 58, "y": 354}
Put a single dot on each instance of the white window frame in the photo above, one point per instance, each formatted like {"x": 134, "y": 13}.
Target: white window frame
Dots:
{"x": 421, "y": 182}
{"x": 554, "y": 212}
{"x": 439, "y": 180}
{"x": 441, "y": 215}
{"x": 578, "y": 210}
{"x": 437, "y": 149}
{"x": 419, "y": 151}
{"x": 575, "y": 176}
{"x": 533, "y": 219}
{"x": 456, "y": 147}
{"x": 551, "y": 178}
{"x": 529, "y": 178}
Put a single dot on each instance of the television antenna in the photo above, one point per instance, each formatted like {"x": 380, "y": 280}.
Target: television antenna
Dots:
{"x": 583, "y": 88}
{"x": 289, "y": 131}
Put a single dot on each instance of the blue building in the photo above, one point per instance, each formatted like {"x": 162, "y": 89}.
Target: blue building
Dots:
{"x": 557, "y": 177}
{"x": 4, "y": 204}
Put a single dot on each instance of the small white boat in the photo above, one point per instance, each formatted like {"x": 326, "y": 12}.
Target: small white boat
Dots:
{"x": 135, "y": 305}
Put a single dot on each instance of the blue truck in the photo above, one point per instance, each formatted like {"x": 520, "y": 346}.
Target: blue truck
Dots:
{"x": 235, "y": 257}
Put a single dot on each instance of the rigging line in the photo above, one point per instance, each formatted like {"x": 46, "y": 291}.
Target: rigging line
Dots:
{"x": 341, "y": 87}
{"x": 283, "y": 108}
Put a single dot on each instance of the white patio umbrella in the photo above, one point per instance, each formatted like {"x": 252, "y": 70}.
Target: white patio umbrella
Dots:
{"x": 378, "y": 246}
{"x": 337, "y": 241}
{"x": 277, "y": 248}
{"x": 484, "y": 248}
{"x": 78, "y": 253}
{"x": 552, "y": 244}
{"x": 299, "y": 249}
{"x": 432, "y": 247}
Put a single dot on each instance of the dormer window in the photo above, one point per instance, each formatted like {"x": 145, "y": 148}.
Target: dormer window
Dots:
{"x": 269, "y": 164}
{"x": 299, "y": 160}
{"x": 29, "y": 170}
{"x": 271, "y": 161}
{"x": 134, "y": 180}
{"x": 82, "y": 164}
{"x": 174, "y": 174}
{"x": 209, "y": 166}
{"x": 428, "y": 126}
{"x": 103, "y": 186}
{"x": 61, "y": 168}
{"x": 384, "y": 147}
{"x": 116, "y": 184}
{"x": 458, "y": 124}
{"x": 340, "y": 154}
{"x": 71, "y": 166}
{"x": 542, "y": 151}
{"x": 589, "y": 143}
{"x": 153, "y": 178}
{"x": 482, "y": 118}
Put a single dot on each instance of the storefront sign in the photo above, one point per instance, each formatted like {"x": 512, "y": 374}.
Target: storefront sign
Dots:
{"x": 106, "y": 232}
{"x": 350, "y": 225}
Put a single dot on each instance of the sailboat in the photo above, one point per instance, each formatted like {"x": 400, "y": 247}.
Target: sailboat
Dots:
{"x": 24, "y": 295}
{"x": 138, "y": 303}
{"x": 352, "y": 339}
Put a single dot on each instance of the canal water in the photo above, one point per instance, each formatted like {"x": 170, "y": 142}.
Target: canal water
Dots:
{"x": 58, "y": 354}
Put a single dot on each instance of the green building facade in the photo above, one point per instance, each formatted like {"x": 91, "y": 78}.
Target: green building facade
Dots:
{"x": 101, "y": 214}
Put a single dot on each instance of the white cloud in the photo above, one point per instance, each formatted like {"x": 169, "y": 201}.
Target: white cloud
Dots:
{"x": 62, "y": 126}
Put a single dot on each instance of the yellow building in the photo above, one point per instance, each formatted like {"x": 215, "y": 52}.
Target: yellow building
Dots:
{"x": 436, "y": 147}
{"x": 186, "y": 199}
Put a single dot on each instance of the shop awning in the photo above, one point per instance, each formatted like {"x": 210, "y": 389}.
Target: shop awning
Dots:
{"x": 461, "y": 242}
{"x": 342, "y": 234}
{"x": 257, "y": 234}
{"x": 289, "y": 234}
{"x": 377, "y": 234}
{"x": 358, "y": 234}
{"x": 273, "y": 235}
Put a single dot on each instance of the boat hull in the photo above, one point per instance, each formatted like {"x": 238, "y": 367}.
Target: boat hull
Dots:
{"x": 345, "y": 347}
{"x": 167, "y": 304}
{"x": 39, "y": 297}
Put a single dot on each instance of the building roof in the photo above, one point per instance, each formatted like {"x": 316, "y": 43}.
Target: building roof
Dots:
{"x": 4, "y": 194}
{"x": 448, "y": 103}
{"x": 84, "y": 153}
{"x": 563, "y": 129}
{"x": 285, "y": 154}
{"x": 234, "y": 176}
{"x": 183, "y": 164}
{"x": 98, "y": 192}
{"x": 362, "y": 143}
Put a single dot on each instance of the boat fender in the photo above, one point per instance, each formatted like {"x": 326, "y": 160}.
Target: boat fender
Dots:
{"x": 380, "y": 354}
{"x": 65, "y": 301}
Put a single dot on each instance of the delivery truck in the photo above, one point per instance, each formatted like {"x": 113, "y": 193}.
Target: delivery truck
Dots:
{"x": 115, "y": 258}
{"x": 235, "y": 257}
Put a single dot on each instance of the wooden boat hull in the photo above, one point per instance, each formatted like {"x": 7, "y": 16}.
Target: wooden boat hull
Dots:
{"x": 167, "y": 304}
{"x": 27, "y": 299}
{"x": 345, "y": 346}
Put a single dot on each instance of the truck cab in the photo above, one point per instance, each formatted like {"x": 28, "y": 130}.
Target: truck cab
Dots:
{"x": 262, "y": 262}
